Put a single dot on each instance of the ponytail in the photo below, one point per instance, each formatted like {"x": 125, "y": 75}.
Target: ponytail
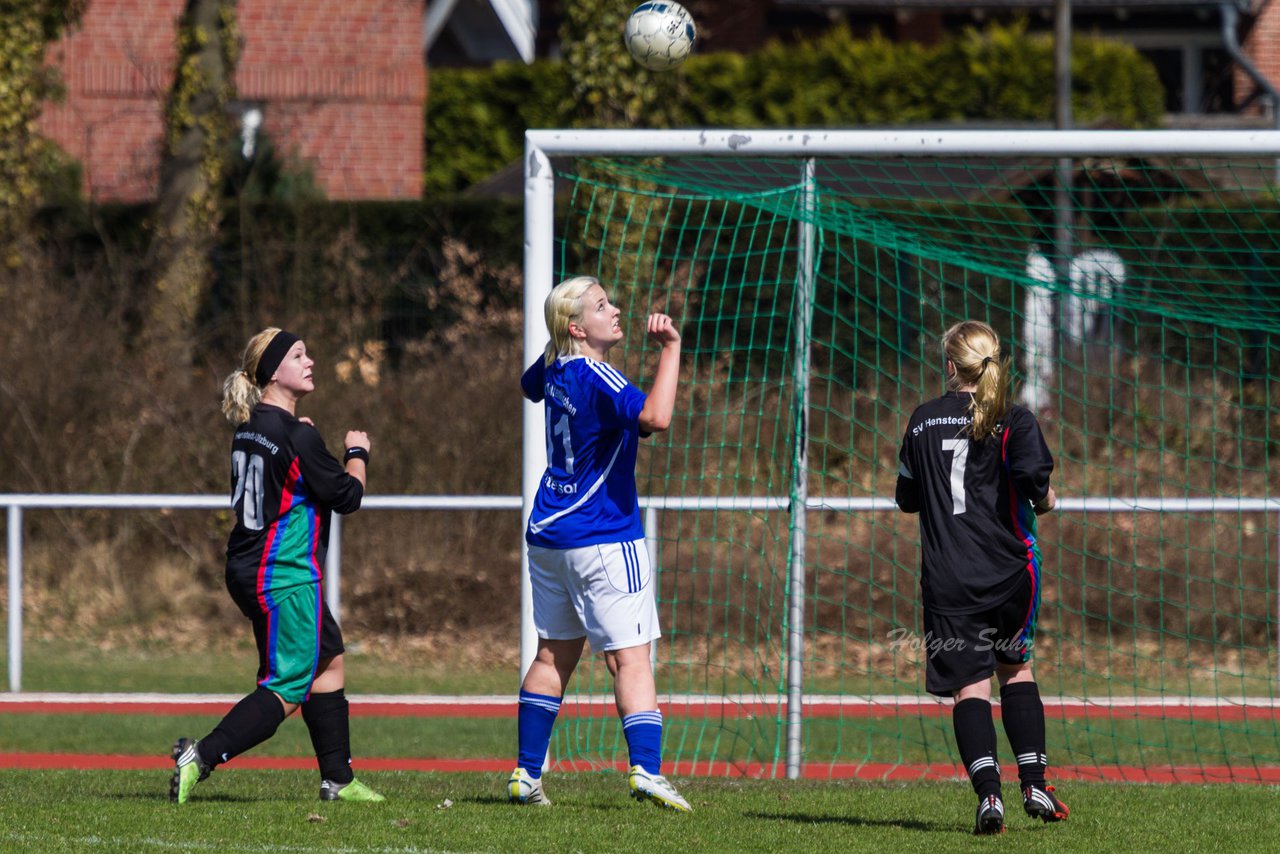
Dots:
{"x": 990, "y": 401}
{"x": 239, "y": 397}
{"x": 974, "y": 349}
{"x": 240, "y": 394}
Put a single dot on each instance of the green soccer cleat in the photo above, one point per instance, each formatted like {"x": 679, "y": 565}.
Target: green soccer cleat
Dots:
{"x": 188, "y": 769}
{"x": 353, "y": 792}
{"x": 655, "y": 788}
{"x": 524, "y": 789}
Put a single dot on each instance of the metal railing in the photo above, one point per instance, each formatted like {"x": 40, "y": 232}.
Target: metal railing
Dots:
{"x": 17, "y": 503}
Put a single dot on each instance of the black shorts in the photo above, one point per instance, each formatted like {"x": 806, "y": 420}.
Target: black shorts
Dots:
{"x": 965, "y": 648}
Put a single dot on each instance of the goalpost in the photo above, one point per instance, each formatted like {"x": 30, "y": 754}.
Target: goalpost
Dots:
{"x": 811, "y": 273}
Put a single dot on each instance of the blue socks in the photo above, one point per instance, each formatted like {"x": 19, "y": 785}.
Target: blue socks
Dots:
{"x": 644, "y": 740}
{"x": 536, "y": 715}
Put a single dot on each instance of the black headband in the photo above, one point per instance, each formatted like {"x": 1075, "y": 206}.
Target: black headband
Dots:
{"x": 273, "y": 356}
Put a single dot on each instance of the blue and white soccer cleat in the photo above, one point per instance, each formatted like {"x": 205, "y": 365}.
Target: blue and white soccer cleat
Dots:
{"x": 655, "y": 788}
{"x": 524, "y": 789}
{"x": 990, "y": 818}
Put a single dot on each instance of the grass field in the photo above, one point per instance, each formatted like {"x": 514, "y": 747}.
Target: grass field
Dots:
{"x": 253, "y": 809}
{"x": 229, "y": 668}
{"x": 83, "y": 665}
{"x": 906, "y": 739}
{"x": 127, "y": 811}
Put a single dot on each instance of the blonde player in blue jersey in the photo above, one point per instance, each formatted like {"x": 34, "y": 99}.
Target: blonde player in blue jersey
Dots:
{"x": 588, "y": 564}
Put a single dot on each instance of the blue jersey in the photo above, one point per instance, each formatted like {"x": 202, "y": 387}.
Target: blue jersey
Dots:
{"x": 588, "y": 493}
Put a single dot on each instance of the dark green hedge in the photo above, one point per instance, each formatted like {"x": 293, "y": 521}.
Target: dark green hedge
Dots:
{"x": 476, "y": 118}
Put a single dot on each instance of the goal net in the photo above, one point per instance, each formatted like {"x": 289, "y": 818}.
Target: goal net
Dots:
{"x": 1133, "y": 278}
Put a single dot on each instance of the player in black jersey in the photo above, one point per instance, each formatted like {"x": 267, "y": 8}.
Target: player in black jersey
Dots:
{"x": 976, "y": 469}
{"x": 284, "y": 486}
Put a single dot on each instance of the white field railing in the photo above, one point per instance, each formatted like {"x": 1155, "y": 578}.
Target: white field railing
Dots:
{"x": 16, "y": 504}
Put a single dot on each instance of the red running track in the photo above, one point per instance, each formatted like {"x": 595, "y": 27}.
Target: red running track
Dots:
{"x": 504, "y": 707}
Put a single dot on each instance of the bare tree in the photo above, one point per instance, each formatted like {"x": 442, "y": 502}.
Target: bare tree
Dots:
{"x": 187, "y": 213}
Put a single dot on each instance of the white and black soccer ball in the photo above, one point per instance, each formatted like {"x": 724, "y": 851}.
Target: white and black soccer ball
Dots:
{"x": 660, "y": 35}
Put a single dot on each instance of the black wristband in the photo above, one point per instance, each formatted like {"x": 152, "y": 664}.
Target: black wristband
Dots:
{"x": 356, "y": 454}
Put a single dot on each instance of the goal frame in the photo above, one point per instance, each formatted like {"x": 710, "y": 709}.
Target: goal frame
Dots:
{"x": 805, "y": 145}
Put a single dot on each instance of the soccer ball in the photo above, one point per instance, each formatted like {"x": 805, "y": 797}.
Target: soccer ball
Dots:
{"x": 659, "y": 35}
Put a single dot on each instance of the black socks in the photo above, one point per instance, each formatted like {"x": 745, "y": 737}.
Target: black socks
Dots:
{"x": 1023, "y": 714}
{"x": 329, "y": 722}
{"x": 976, "y": 740}
{"x": 249, "y": 723}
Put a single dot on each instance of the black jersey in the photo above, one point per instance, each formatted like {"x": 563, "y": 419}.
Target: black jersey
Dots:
{"x": 974, "y": 497}
{"x": 284, "y": 484}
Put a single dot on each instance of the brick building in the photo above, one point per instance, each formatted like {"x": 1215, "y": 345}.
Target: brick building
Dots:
{"x": 339, "y": 83}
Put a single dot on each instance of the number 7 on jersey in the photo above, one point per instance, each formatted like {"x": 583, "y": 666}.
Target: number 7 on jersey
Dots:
{"x": 959, "y": 449}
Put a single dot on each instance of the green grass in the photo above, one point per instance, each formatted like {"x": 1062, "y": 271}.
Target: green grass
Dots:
{"x": 249, "y": 810}
{"x": 65, "y": 666}
{"x": 84, "y": 667}
{"x": 906, "y": 740}
{"x": 128, "y": 811}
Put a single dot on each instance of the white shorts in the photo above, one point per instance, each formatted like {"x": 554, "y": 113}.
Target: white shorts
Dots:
{"x": 604, "y": 592}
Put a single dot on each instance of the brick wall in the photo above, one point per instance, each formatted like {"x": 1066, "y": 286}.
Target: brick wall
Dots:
{"x": 1262, "y": 45}
{"x": 340, "y": 83}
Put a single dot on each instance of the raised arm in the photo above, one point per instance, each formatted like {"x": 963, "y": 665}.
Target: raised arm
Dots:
{"x": 661, "y": 402}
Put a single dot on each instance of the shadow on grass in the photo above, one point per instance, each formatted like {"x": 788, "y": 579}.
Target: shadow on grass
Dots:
{"x": 856, "y": 821}
{"x": 194, "y": 803}
{"x": 500, "y": 801}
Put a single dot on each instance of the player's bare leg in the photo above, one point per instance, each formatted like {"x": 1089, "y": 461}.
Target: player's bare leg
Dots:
{"x": 637, "y": 700}
{"x": 540, "y": 696}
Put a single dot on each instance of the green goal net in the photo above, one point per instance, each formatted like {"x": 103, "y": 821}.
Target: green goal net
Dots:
{"x": 1138, "y": 294}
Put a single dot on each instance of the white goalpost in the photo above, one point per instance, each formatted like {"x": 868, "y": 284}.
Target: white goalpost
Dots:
{"x": 804, "y": 497}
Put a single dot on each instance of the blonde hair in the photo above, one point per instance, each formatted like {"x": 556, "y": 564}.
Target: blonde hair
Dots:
{"x": 240, "y": 393}
{"x": 974, "y": 349}
{"x": 564, "y": 306}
